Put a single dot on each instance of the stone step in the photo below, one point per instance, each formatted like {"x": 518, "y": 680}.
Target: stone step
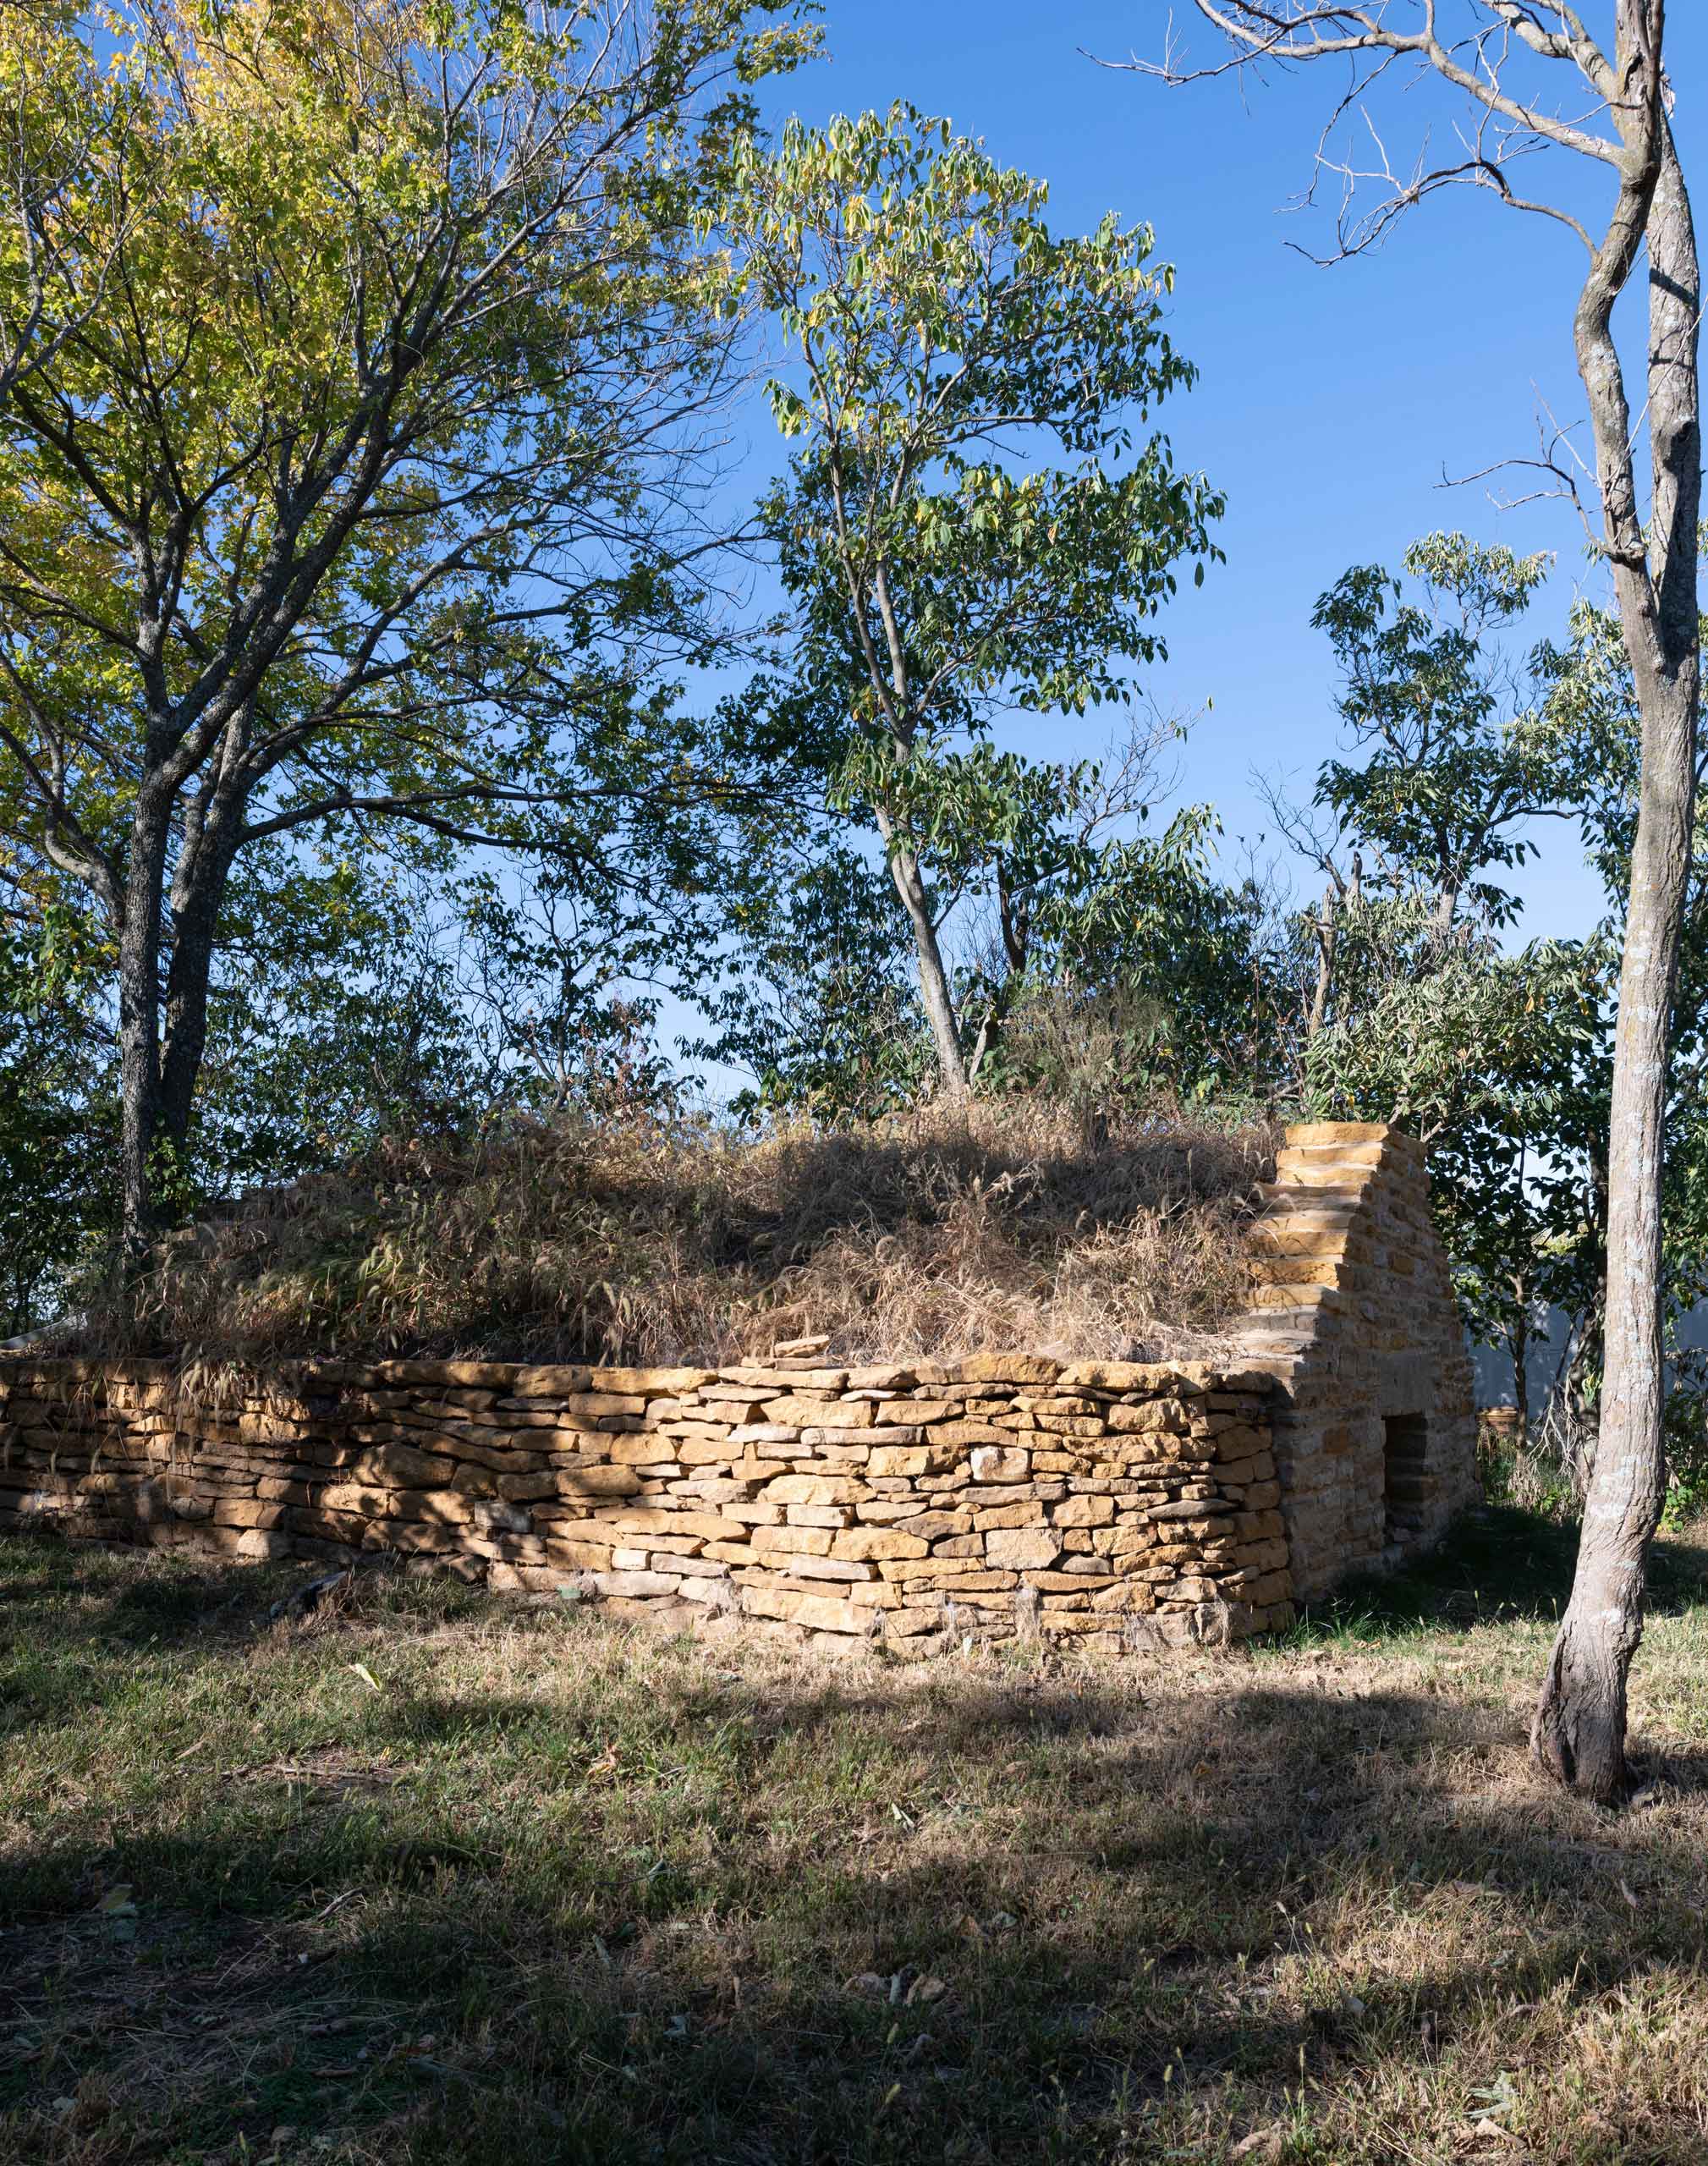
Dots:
{"x": 1319, "y": 1158}
{"x": 1305, "y": 1271}
{"x": 1284, "y": 1195}
{"x": 1294, "y": 1294}
{"x": 1348, "y": 1133}
{"x": 1276, "y": 1238}
{"x": 1354, "y": 1154}
{"x": 1274, "y": 1326}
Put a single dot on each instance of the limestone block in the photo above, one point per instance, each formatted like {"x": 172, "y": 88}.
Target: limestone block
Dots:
{"x": 805, "y": 1541}
{"x": 869, "y": 1543}
{"x": 1021, "y": 1549}
{"x": 401, "y": 1466}
{"x": 819, "y": 1383}
{"x": 632, "y": 1584}
{"x": 1083, "y": 1511}
{"x": 830, "y": 1568}
{"x": 259, "y": 1544}
{"x": 963, "y": 1433}
{"x": 813, "y": 1489}
{"x": 918, "y": 1458}
{"x": 597, "y": 1482}
{"x": 793, "y": 1411}
{"x": 1005, "y": 1368}
{"x": 631, "y": 1519}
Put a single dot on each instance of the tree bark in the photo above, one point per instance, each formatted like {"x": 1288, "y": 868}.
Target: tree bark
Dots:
{"x": 934, "y": 977}
{"x": 1444, "y": 915}
{"x": 212, "y": 838}
{"x": 1521, "y": 1379}
{"x": 1579, "y": 1736}
{"x": 1324, "y": 927}
{"x": 139, "y": 1016}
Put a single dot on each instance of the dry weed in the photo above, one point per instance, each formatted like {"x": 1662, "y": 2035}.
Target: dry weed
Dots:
{"x": 452, "y": 1881}
{"x": 931, "y": 1233}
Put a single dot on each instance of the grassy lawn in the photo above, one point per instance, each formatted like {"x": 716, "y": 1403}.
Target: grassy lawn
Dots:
{"x": 436, "y": 1877}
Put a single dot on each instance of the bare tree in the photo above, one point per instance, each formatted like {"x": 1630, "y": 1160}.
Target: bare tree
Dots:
{"x": 1533, "y": 79}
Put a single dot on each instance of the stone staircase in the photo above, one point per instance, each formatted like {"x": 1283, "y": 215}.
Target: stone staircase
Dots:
{"x": 1352, "y": 1312}
{"x": 1309, "y": 1242}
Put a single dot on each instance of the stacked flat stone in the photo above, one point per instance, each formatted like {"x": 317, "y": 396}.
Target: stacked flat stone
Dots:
{"x": 1355, "y": 1315}
{"x": 1111, "y": 1504}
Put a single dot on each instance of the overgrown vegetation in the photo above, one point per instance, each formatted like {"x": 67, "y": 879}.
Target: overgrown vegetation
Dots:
{"x": 1011, "y": 1224}
{"x": 437, "y": 1878}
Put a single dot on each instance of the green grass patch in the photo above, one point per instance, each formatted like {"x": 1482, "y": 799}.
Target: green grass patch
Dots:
{"x": 433, "y": 1877}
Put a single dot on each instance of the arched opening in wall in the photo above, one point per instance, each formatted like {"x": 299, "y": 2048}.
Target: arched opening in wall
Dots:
{"x": 1404, "y": 1459}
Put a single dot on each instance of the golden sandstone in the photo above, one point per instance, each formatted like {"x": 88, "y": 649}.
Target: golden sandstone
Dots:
{"x": 1110, "y": 1505}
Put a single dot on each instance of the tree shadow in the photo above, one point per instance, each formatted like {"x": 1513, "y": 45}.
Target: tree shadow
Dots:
{"x": 763, "y": 1915}
{"x": 1501, "y": 1565}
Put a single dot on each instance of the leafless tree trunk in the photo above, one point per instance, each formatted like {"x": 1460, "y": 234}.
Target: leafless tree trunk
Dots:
{"x": 1500, "y": 55}
{"x": 1325, "y": 927}
{"x": 1580, "y": 1732}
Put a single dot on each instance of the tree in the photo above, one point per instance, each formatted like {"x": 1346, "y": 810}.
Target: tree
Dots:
{"x": 356, "y": 486}
{"x": 1127, "y": 939}
{"x": 59, "y": 238}
{"x": 1595, "y": 742}
{"x": 55, "y": 1103}
{"x": 1494, "y": 1062}
{"x": 1446, "y": 761}
{"x": 1450, "y": 767}
{"x": 1065, "y": 923}
{"x": 819, "y": 1005}
{"x": 1503, "y": 58}
{"x": 945, "y": 349}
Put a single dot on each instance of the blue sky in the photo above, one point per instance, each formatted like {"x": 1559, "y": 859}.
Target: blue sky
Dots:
{"x": 1331, "y": 401}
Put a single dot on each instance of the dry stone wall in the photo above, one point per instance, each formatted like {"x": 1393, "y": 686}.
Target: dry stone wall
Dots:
{"x": 1375, "y": 1413}
{"x": 1108, "y": 1504}
{"x": 1111, "y": 1504}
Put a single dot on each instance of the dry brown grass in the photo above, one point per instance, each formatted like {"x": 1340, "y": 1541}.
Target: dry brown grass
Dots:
{"x": 549, "y": 1888}
{"x": 931, "y": 1234}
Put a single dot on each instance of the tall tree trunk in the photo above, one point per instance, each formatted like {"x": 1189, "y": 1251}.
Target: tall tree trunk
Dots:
{"x": 1580, "y": 1731}
{"x": 198, "y": 891}
{"x": 1324, "y": 927}
{"x": 1444, "y": 915}
{"x": 138, "y": 1019}
{"x": 934, "y": 977}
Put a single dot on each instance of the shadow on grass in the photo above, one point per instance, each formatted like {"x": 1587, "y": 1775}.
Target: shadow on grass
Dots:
{"x": 1150, "y": 1913}
{"x": 1500, "y": 1565}
{"x": 685, "y": 1912}
{"x": 1147, "y": 1922}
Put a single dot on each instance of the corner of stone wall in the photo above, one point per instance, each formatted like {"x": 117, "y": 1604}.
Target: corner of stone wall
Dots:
{"x": 1354, "y": 1315}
